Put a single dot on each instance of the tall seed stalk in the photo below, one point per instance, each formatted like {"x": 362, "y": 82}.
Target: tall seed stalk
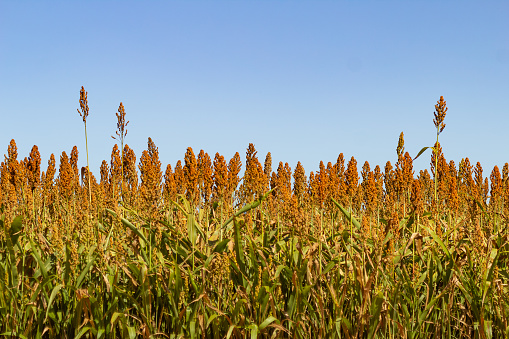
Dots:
{"x": 84, "y": 114}
{"x": 440, "y": 111}
{"x": 121, "y": 134}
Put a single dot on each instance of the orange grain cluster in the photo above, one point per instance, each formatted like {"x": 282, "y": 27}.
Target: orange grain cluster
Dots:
{"x": 296, "y": 198}
{"x": 60, "y": 200}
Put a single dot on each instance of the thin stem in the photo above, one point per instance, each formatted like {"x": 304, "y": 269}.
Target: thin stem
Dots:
{"x": 89, "y": 183}
{"x": 436, "y": 167}
{"x": 88, "y": 167}
{"x": 436, "y": 180}
{"x": 321, "y": 235}
{"x": 122, "y": 174}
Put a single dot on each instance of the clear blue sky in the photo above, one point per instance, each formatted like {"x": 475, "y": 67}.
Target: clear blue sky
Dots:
{"x": 305, "y": 80}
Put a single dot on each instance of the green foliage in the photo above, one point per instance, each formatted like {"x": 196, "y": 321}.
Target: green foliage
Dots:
{"x": 256, "y": 282}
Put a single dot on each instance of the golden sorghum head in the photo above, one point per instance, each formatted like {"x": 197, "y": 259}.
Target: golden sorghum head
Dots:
{"x": 435, "y": 157}
{"x": 273, "y": 182}
{"x": 129, "y": 163}
{"x": 191, "y": 174}
{"x": 365, "y": 171}
{"x": 65, "y": 175}
{"x": 104, "y": 174}
{"x": 205, "y": 175}
{"x": 74, "y": 165}
{"x": 320, "y": 185}
{"x": 339, "y": 188}
{"x": 83, "y": 104}
{"x": 452, "y": 169}
{"x": 465, "y": 181}
{"x": 333, "y": 181}
{"x": 253, "y": 175}
{"x": 234, "y": 167}
{"x": 179, "y": 178}
{"x": 416, "y": 197}
{"x": 104, "y": 182}
{"x": 50, "y": 172}
{"x": 121, "y": 123}
{"x": 479, "y": 181}
{"x": 283, "y": 181}
{"x": 440, "y": 111}
{"x": 169, "y": 188}
{"x": 401, "y": 145}
{"x": 12, "y": 162}
{"x": 352, "y": 178}
{"x": 505, "y": 181}
{"x": 310, "y": 185}
{"x": 220, "y": 176}
{"x": 150, "y": 173}
{"x": 299, "y": 182}
{"x": 407, "y": 172}
{"x": 389, "y": 177}
{"x": 379, "y": 180}
{"x": 34, "y": 168}
{"x": 4, "y": 181}
{"x": 116, "y": 164}
{"x": 339, "y": 166}
{"x": 369, "y": 188}
{"x": 426, "y": 185}
{"x": 496, "y": 183}
{"x": 505, "y": 172}
{"x": 267, "y": 168}
{"x": 453, "y": 199}
{"x": 12, "y": 151}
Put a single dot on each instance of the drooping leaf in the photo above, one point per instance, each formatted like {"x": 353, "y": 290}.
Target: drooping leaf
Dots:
{"x": 421, "y": 151}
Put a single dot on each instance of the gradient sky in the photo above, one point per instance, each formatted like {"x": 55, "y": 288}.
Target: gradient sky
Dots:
{"x": 305, "y": 80}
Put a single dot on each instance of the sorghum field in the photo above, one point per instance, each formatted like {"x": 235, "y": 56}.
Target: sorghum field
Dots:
{"x": 194, "y": 250}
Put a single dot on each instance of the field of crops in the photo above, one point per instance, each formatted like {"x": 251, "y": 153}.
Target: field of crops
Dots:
{"x": 215, "y": 248}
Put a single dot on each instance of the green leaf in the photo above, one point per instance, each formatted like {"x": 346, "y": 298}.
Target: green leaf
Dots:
{"x": 13, "y": 335}
{"x": 230, "y": 330}
{"x": 211, "y": 319}
{"x": 376, "y": 309}
{"x": 439, "y": 242}
{"x": 132, "y": 332}
{"x": 424, "y": 314}
{"x": 279, "y": 269}
{"x": 130, "y": 225}
{"x": 329, "y": 266}
{"x": 219, "y": 248}
{"x": 348, "y": 215}
{"x": 347, "y": 327}
{"x": 239, "y": 250}
{"x": 83, "y": 331}
{"x": 267, "y": 322}
{"x": 254, "y": 331}
{"x": 114, "y": 319}
{"x": 488, "y": 279}
{"x": 35, "y": 254}
{"x": 191, "y": 228}
{"x": 54, "y": 293}
{"x": 248, "y": 207}
{"x": 85, "y": 271}
{"x": 421, "y": 151}
{"x": 13, "y": 281}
